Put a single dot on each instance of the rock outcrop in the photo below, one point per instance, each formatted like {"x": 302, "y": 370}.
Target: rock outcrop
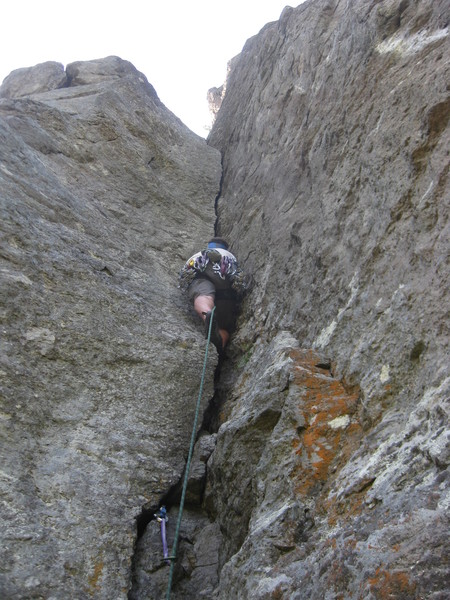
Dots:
{"x": 321, "y": 468}
{"x": 329, "y": 478}
{"x": 104, "y": 195}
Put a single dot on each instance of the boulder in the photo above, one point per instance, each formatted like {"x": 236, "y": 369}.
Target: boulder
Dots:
{"x": 33, "y": 80}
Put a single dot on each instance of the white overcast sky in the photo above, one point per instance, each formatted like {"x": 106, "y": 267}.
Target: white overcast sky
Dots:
{"x": 181, "y": 46}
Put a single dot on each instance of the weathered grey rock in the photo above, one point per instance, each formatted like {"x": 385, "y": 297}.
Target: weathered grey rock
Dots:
{"x": 335, "y": 194}
{"x": 94, "y": 71}
{"x": 196, "y": 571}
{"x": 33, "y": 80}
{"x": 329, "y": 471}
{"x": 104, "y": 194}
{"x": 197, "y": 472}
{"x": 215, "y": 96}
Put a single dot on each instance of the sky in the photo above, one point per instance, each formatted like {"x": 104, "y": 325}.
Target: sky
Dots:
{"x": 181, "y": 47}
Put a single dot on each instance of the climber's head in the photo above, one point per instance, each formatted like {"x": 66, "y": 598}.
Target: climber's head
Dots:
{"x": 217, "y": 242}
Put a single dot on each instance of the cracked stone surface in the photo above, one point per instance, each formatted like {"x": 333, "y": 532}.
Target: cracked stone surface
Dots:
{"x": 323, "y": 472}
{"x": 104, "y": 194}
{"x": 335, "y": 141}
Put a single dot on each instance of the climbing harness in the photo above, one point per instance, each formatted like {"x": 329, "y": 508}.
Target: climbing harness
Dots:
{"x": 173, "y": 556}
{"x": 162, "y": 518}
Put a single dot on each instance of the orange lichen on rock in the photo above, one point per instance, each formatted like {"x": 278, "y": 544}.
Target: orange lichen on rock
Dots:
{"x": 335, "y": 509}
{"x": 386, "y": 584}
{"x": 329, "y": 410}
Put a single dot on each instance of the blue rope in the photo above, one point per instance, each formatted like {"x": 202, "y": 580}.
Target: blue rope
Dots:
{"x": 188, "y": 463}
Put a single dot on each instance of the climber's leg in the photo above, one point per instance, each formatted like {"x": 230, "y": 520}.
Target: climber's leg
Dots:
{"x": 203, "y": 305}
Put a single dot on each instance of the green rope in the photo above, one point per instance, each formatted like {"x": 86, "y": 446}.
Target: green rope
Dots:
{"x": 188, "y": 464}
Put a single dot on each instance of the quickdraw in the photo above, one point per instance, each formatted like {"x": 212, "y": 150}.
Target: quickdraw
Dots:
{"x": 162, "y": 518}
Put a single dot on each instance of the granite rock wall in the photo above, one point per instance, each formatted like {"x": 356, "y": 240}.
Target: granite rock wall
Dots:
{"x": 330, "y": 474}
{"x": 321, "y": 468}
{"x": 104, "y": 195}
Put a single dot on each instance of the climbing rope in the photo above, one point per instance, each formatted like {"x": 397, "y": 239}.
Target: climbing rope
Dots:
{"x": 188, "y": 463}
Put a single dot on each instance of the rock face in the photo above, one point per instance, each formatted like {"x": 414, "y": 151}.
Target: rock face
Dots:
{"x": 216, "y": 95}
{"x": 33, "y": 80}
{"x": 104, "y": 195}
{"x": 329, "y": 478}
{"x": 321, "y": 470}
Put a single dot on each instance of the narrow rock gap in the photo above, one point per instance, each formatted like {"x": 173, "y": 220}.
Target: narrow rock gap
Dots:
{"x": 172, "y": 497}
{"x": 210, "y": 424}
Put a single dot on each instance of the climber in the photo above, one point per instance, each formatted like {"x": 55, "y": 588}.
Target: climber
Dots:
{"x": 211, "y": 278}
